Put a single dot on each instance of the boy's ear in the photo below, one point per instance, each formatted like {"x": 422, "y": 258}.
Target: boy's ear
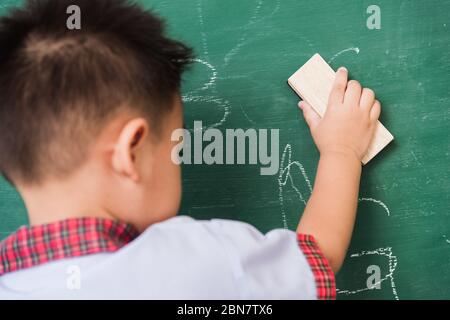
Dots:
{"x": 126, "y": 151}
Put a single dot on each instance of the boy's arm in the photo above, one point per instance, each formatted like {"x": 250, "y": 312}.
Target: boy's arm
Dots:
{"x": 342, "y": 137}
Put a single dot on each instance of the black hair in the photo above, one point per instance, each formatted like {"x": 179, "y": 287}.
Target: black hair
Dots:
{"x": 58, "y": 87}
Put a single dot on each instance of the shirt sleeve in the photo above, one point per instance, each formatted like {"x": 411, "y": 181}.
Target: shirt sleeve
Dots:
{"x": 323, "y": 274}
{"x": 277, "y": 265}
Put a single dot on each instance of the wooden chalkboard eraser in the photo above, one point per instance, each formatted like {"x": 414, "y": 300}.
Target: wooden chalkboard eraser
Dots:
{"x": 313, "y": 83}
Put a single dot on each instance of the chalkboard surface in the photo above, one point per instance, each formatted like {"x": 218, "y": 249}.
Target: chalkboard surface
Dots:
{"x": 246, "y": 50}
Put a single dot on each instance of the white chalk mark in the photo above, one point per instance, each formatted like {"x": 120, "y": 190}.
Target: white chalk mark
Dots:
{"x": 276, "y": 9}
{"x": 234, "y": 77}
{"x": 377, "y": 202}
{"x": 257, "y": 10}
{"x": 285, "y": 175}
{"x": 446, "y": 239}
{"x": 234, "y": 51}
{"x": 246, "y": 116}
{"x": 392, "y": 259}
{"x": 255, "y": 14}
{"x": 354, "y": 49}
{"x": 203, "y": 35}
{"x": 242, "y": 40}
{"x": 254, "y": 19}
{"x": 197, "y": 95}
{"x": 224, "y": 104}
{"x": 415, "y": 157}
{"x": 213, "y": 78}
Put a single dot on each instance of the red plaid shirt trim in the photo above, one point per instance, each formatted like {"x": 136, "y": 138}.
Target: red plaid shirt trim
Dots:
{"x": 324, "y": 276}
{"x": 35, "y": 245}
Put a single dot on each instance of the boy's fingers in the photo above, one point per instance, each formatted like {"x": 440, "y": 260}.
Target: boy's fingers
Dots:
{"x": 353, "y": 93}
{"x": 311, "y": 117}
{"x": 339, "y": 86}
{"x": 367, "y": 99}
{"x": 375, "y": 111}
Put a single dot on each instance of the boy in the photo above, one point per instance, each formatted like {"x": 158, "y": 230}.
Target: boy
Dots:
{"x": 86, "y": 120}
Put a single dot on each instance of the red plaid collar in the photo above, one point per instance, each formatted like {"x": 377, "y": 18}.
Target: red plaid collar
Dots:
{"x": 35, "y": 245}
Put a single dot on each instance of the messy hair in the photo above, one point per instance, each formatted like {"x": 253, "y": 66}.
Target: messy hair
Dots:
{"x": 59, "y": 87}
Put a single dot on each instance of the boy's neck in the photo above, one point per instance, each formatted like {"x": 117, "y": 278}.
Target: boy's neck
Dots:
{"x": 53, "y": 201}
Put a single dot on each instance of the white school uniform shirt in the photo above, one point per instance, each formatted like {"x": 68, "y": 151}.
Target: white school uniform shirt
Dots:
{"x": 180, "y": 258}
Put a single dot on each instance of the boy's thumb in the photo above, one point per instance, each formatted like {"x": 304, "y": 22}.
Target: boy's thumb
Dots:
{"x": 311, "y": 117}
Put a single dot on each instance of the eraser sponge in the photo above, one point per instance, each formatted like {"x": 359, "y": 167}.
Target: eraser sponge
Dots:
{"x": 313, "y": 83}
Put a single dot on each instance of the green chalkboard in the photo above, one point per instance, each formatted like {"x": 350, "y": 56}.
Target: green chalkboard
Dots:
{"x": 246, "y": 50}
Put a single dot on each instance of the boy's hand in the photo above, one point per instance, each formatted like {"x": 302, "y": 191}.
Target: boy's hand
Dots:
{"x": 349, "y": 121}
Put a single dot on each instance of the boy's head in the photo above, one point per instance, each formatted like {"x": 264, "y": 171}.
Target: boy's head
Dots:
{"x": 91, "y": 109}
